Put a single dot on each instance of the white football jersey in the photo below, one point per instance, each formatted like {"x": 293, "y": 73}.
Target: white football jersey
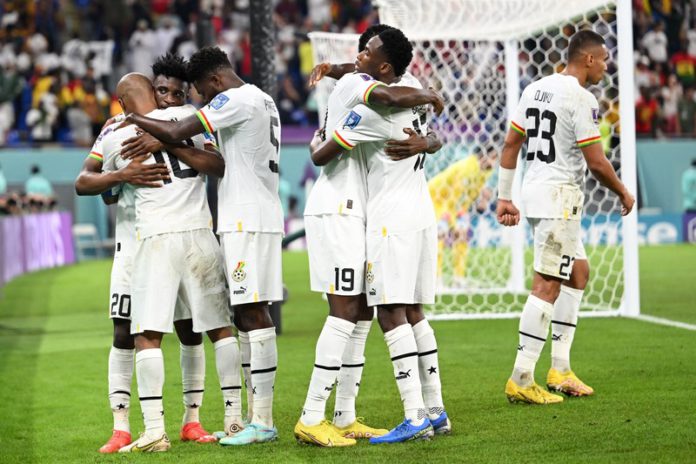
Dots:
{"x": 248, "y": 128}
{"x": 124, "y": 233}
{"x": 181, "y": 203}
{"x": 342, "y": 184}
{"x": 398, "y": 199}
{"x": 558, "y": 117}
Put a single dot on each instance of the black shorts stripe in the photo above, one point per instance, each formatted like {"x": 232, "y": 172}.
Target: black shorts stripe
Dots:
{"x": 193, "y": 391}
{"x": 405, "y": 355}
{"x": 150, "y": 398}
{"x": 428, "y": 353}
{"x": 567, "y": 324}
{"x": 263, "y": 371}
{"x": 123, "y": 392}
{"x": 327, "y": 368}
{"x": 353, "y": 365}
{"x": 231, "y": 388}
{"x": 532, "y": 336}
{"x": 246, "y": 365}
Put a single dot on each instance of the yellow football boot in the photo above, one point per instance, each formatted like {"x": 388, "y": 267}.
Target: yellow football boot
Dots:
{"x": 322, "y": 434}
{"x": 568, "y": 383}
{"x": 359, "y": 429}
{"x": 533, "y": 394}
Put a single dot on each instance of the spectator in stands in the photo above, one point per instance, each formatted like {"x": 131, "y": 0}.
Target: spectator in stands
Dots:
{"x": 11, "y": 84}
{"x": 647, "y": 113}
{"x": 671, "y": 94}
{"x": 37, "y": 184}
{"x": 655, "y": 42}
{"x": 143, "y": 48}
{"x": 42, "y": 119}
{"x": 687, "y": 113}
{"x": 684, "y": 66}
{"x": 689, "y": 188}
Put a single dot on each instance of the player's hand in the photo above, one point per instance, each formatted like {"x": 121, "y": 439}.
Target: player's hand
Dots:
{"x": 319, "y": 71}
{"x": 507, "y": 213}
{"x": 319, "y": 137}
{"x": 144, "y": 175}
{"x": 401, "y": 149}
{"x": 627, "y": 202}
{"x": 437, "y": 101}
{"x": 141, "y": 144}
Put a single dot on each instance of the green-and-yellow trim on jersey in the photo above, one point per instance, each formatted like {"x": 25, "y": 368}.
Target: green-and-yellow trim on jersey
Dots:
{"x": 589, "y": 141}
{"x": 206, "y": 124}
{"x": 341, "y": 141}
{"x": 96, "y": 156}
{"x": 366, "y": 95}
{"x": 517, "y": 128}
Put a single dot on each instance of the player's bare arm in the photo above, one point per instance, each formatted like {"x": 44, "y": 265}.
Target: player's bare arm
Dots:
{"x": 506, "y": 212}
{"x": 167, "y": 131}
{"x": 406, "y": 97}
{"x": 209, "y": 161}
{"x": 92, "y": 181}
{"x": 323, "y": 151}
{"x": 413, "y": 145}
{"x": 604, "y": 172}
{"x": 335, "y": 71}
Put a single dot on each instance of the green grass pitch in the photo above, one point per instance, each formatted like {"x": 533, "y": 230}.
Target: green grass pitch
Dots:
{"x": 55, "y": 338}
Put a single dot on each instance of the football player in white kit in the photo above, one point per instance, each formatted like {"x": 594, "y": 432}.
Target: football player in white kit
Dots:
{"x": 250, "y": 217}
{"x": 558, "y": 118}
{"x": 176, "y": 256}
{"x": 171, "y": 89}
{"x": 335, "y": 225}
{"x": 401, "y": 237}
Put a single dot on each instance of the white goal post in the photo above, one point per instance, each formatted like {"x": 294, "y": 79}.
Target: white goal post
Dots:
{"x": 480, "y": 55}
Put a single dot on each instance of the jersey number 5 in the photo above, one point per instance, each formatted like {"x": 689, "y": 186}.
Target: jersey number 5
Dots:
{"x": 533, "y": 132}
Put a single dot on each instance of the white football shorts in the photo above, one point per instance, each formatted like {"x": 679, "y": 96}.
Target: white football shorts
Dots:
{"x": 253, "y": 266}
{"x": 402, "y": 267}
{"x": 179, "y": 265}
{"x": 557, "y": 244}
{"x": 336, "y": 249}
{"x": 120, "y": 291}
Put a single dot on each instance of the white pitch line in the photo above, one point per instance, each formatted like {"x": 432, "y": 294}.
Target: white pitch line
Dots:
{"x": 663, "y": 321}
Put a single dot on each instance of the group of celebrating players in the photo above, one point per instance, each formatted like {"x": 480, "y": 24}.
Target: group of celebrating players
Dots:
{"x": 371, "y": 238}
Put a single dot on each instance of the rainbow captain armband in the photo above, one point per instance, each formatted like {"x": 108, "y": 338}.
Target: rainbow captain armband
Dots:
{"x": 517, "y": 128}
{"x": 341, "y": 141}
{"x": 589, "y": 141}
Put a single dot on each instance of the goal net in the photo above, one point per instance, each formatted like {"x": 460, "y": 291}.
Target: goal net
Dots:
{"x": 480, "y": 55}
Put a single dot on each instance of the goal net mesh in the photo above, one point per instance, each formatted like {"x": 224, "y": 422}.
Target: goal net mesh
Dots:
{"x": 463, "y": 49}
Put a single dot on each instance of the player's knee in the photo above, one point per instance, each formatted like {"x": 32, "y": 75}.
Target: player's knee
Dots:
{"x": 122, "y": 336}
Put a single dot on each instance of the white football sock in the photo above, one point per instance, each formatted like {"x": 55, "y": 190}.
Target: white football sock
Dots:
{"x": 429, "y": 368}
{"x": 120, "y": 377}
{"x": 350, "y": 375}
{"x": 534, "y": 328}
{"x": 264, "y": 361}
{"x": 245, "y": 351}
{"x": 192, "y": 359}
{"x": 404, "y": 356}
{"x": 227, "y": 361}
{"x": 149, "y": 369}
{"x": 327, "y": 362}
{"x": 563, "y": 324}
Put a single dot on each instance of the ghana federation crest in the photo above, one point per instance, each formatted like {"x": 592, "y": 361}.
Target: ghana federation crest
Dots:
{"x": 369, "y": 275}
{"x": 239, "y": 273}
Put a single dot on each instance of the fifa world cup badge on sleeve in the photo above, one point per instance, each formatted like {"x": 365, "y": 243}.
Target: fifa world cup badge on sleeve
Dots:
{"x": 352, "y": 120}
{"x": 219, "y": 101}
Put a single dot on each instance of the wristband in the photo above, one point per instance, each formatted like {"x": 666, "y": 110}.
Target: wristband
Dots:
{"x": 505, "y": 179}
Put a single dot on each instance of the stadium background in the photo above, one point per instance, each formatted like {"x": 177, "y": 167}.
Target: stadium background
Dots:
{"x": 62, "y": 59}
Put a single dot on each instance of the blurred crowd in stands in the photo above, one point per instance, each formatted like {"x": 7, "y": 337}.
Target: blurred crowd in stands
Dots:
{"x": 60, "y": 60}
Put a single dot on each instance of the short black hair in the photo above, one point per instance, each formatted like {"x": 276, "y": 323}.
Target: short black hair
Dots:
{"x": 693, "y": 162}
{"x": 206, "y": 61}
{"x": 369, "y": 33}
{"x": 581, "y": 41}
{"x": 170, "y": 65}
{"x": 35, "y": 169}
{"x": 397, "y": 49}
